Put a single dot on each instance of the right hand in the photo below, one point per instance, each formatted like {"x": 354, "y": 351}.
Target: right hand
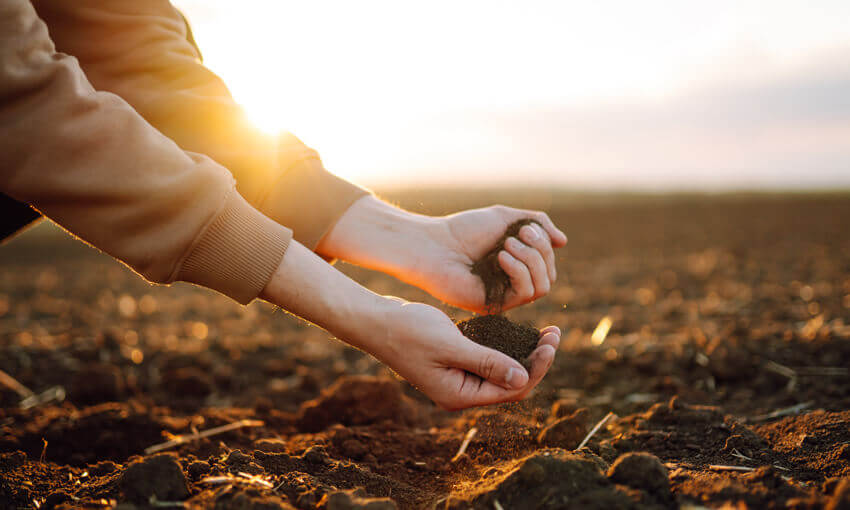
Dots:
{"x": 421, "y": 344}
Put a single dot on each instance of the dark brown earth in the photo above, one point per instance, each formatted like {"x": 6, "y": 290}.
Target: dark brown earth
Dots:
{"x": 496, "y": 281}
{"x": 500, "y": 333}
{"x": 724, "y": 309}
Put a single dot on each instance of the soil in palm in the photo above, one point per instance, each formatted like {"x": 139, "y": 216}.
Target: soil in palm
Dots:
{"x": 498, "y": 332}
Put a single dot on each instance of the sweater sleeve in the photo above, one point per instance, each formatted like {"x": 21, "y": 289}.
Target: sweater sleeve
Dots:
{"x": 141, "y": 51}
{"x": 89, "y": 162}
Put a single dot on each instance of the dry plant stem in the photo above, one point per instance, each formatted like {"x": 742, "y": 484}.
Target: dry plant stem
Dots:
{"x": 594, "y": 430}
{"x": 55, "y": 393}
{"x": 13, "y": 384}
{"x": 165, "y": 504}
{"x": 465, "y": 444}
{"x": 200, "y": 435}
{"x": 780, "y": 369}
{"x": 720, "y": 467}
{"x": 785, "y": 411}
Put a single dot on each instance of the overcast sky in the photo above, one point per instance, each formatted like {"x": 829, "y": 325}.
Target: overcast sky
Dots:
{"x": 603, "y": 94}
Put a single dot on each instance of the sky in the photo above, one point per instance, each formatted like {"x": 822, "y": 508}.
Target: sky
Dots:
{"x": 609, "y": 94}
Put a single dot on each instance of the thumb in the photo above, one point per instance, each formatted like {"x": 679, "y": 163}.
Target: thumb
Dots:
{"x": 491, "y": 365}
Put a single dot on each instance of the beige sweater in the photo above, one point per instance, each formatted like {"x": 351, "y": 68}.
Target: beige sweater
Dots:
{"x": 74, "y": 145}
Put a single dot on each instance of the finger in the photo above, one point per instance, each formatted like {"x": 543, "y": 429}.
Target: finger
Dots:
{"x": 551, "y": 329}
{"x": 558, "y": 237}
{"x": 474, "y": 391}
{"x": 489, "y": 364}
{"x": 550, "y": 339}
{"x": 541, "y": 360}
{"x": 534, "y": 236}
{"x": 533, "y": 260}
{"x": 522, "y": 288}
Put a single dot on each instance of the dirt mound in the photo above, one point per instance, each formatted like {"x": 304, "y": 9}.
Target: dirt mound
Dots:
{"x": 357, "y": 400}
{"x": 498, "y": 332}
{"x": 644, "y": 472}
{"x": 550, "y": 478}
{"x": 496, "y": 281}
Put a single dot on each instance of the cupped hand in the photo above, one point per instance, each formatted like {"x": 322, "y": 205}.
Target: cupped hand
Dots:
{"x": 463, "y": 238}
{"x": 422, "y": 345}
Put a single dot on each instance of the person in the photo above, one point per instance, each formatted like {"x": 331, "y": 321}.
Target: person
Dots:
{"x": 111, "y": 126}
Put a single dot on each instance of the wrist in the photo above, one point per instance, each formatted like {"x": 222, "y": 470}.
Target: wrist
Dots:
{"x": 379, "y": 236}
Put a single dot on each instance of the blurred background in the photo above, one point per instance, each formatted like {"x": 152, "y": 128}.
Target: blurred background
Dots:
{"x": 602, "y": 95}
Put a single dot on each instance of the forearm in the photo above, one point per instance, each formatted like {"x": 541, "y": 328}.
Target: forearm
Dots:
{"x": 312, "y": 289}
{"x": 88, "y": 161}
{"x": 376, "y": 235}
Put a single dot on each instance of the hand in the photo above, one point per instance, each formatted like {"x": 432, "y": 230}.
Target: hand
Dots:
{"x": 465, "y": 237}
{"x": 417, "y": 341}
{"x": 436, "y": 254}
{"x": 422, "y": 345}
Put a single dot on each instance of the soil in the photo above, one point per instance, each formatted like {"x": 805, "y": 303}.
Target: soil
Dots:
{"x": 498, "y": 332}
{"x": 496, "y": 281}
{"x": 723, "y": 310}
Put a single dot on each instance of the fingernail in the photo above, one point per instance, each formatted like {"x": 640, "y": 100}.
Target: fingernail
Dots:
{"x": 515, "y": 378}
{"x": 513, "y": 241}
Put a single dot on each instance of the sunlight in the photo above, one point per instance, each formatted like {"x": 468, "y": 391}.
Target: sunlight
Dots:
{"x": 391, "y": 91}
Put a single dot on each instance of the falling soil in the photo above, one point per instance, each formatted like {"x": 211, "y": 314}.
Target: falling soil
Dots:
{"x": 496, "y": 281}
{"x": 500, "y": 333}
{"x": 724, "y": 310}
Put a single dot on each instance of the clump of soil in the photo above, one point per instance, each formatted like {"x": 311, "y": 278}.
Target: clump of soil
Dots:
{"x": 567, "y": 432}
{"x": 158, "y": 476}
{"x": 497, "y": 332}
{"x": 642, "y": 471}
{"x": 496, "y": 281}
{"x": 344, "y": 403}
{"x": 549, "y": 478}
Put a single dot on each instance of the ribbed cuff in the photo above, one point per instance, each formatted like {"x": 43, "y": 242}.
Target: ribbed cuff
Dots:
{"x": 238, "y": 253}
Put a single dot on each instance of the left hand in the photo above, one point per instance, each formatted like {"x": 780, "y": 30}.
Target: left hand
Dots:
{"x": 529, "y": 261}
{"x": 436, "y": 253}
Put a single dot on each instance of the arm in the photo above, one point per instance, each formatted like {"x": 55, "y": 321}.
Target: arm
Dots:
{"x": 435, "y": 253}
{"x": 417, "y": 341}
{"x": 140, "y": 51}
{"x": 89, "y": 162}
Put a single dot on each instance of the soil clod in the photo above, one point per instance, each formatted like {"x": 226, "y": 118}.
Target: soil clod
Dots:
{"x": 500, "y": 333}
{"x": 641, "y": 471}
{"x": 158, "y": 476}
{"x": 567, "y": 432}
{"x": 343, "y": 403}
